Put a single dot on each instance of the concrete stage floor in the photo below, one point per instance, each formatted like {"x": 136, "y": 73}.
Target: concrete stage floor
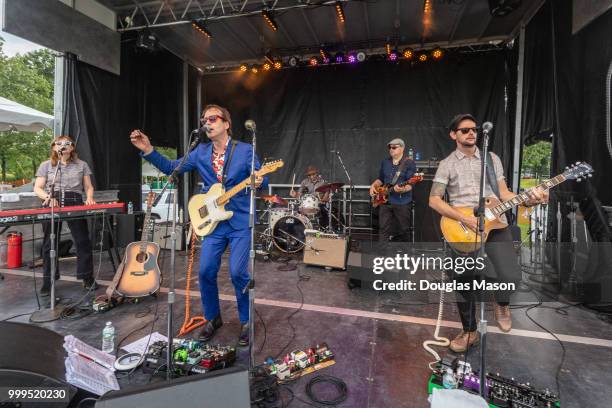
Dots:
{"x": 377, "y": 337}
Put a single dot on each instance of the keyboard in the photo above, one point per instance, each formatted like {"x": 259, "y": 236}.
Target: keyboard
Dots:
{"x": 42, "y": 214}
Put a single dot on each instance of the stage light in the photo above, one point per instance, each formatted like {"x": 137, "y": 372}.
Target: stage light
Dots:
{"x": 361, "y": 56}
{"x": 267, "y": 66}
{"x": 243, "y": 68}
{"x": 427, "y": 7}
{"x": 339, "y": 58}
{"x": 351, "y": 59}
{"x": 200, "y": 27}
{"x": 313, "y": 62}
{"x": 423, "y": 57}
{"x": 437, "y": 54}
{"x": 268, "y": 17}
{"x": 293, "y": 61}
{"x": 388, "y": 49}
{"x": 408, "y": 54}
{"x": 254, "y": 69}
{"x": 278, "y": 65}
{"x": 340, "y": 12}
{"x": 393, "y": 56}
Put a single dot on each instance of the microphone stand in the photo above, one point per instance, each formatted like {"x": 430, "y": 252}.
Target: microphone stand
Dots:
{"x": 351, "y": 186}
{"x": 482, "y": 325}
{"x": 251, "y": 284}
{"x": 174, "y": 176}
{"x": 53, "y": 313}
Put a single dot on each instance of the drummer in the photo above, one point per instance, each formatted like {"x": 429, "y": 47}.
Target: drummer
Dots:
{"x": 313, "y": 180}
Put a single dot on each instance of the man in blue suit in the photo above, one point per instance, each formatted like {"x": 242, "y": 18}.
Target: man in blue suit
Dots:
{"x": 210, "y": 160}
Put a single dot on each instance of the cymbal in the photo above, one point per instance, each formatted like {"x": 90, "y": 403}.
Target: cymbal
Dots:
{"x": 329, "y": 187}
{"x": 274, "y": 199}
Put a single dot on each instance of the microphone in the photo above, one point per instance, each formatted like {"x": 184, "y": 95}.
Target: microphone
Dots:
{"x": 487, "y": 127}
{"x": 250, "y": 125}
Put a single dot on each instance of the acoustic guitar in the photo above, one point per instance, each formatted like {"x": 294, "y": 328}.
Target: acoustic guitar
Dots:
{"x": 138, "y": 274}
{"x": 208, "y": 209}
{"x": 382, "y": 193}
{"x": 464, "y": 239}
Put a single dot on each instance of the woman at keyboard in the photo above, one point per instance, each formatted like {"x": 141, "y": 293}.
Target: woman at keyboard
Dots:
{"x": 73, "y": 178}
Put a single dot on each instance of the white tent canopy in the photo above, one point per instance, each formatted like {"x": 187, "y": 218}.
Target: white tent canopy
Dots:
{"x": 21, "y": 118}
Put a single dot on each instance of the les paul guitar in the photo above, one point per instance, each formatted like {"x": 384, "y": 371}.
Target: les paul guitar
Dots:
{"x": 382, "y": 193}
{"x": 208, "y": 209}
{"x": 464, "y": 239}
{"x": 138, "y": 274}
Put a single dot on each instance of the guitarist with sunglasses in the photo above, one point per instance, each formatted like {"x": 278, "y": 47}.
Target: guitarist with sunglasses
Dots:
{"x": 458, "y": 175}
{"x": 395, "y": 171}
{"x": 222, "y": 160}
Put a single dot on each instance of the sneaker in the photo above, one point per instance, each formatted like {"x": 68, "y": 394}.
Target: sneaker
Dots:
{"x": 243, "y": 339}
{"x": 209, "y": 328}
{"x": 503, "y": 318}
{"x": 464, "y": 340}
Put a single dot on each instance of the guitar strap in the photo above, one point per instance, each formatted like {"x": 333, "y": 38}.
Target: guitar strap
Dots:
{"x": 399, "y": 171}
{"x": 227, "y": 163}
{"x": 491, "y": 178}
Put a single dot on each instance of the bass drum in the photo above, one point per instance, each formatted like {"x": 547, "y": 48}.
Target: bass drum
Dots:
{"x": 288, "y": 233}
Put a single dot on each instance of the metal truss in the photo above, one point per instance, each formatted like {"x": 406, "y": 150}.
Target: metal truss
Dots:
{"x": 163, "y": 13}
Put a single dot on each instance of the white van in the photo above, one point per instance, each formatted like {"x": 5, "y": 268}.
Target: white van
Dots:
{"x": 162, "y": 212}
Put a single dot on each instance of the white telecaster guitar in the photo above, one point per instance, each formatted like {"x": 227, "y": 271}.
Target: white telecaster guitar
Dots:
{"x": 208, "y": 209}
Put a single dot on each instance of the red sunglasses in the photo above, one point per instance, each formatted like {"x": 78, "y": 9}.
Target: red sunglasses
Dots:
{"x": 211, "y": 118}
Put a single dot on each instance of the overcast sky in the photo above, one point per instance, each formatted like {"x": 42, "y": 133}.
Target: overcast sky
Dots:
{"x": 14, "y": 45}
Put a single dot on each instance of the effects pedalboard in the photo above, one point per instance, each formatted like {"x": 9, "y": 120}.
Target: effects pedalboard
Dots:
{"x": 500, "y": 392}
{"x": 300, "y": 362}
{"x": 189, "y": 357}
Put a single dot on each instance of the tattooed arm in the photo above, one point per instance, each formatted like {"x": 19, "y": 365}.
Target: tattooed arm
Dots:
{"x": 437, "y": 203}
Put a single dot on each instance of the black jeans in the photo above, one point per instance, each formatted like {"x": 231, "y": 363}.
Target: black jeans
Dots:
{"x": 391, "y": 215}
{"x": 80, "y": 234}
{"x": 501, "y": 255}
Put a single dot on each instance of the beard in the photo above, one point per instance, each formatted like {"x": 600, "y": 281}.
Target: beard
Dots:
{"x": 468, "y": 142}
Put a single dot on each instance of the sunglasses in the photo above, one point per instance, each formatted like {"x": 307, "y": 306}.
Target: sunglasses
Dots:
{"x": 211, "y": 118}
{"x": 64, "y": 143}
{"x": 393, "y": 147}
{"x": 465, "y": 131}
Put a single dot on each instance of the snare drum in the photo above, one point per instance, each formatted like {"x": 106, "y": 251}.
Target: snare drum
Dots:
{"x": 309, "y": 204}
{"x": 288, "y": 232}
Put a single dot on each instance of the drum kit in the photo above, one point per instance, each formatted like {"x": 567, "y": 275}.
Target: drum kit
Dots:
{"x": 288, "y": 220}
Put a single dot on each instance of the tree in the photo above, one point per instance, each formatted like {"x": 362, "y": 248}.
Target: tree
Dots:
{"x": 537, "y": 157}
{"x": 27, "y": 79}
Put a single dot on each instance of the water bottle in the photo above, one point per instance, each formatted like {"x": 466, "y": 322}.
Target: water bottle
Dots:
{"x": 410, "y": 153}
{"x": 108, "y": 338}
{"x": 449, "y": 381}
{"x": 130, "y": 208}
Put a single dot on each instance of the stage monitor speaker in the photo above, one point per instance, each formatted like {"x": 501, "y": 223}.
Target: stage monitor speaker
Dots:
{"x": 129, "y": 228}
{"x": 32, "y": 356}
{"x": 325, "y": 249}
{"x": 501, "y": 8}
{"x": 223, "y": 388}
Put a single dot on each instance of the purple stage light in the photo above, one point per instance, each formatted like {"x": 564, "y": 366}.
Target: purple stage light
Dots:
{"x": 352, "y": 59}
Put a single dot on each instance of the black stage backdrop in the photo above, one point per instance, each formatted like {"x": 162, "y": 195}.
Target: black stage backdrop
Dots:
{"x": 304, "y": 113}
{"x": 102, "y": 109}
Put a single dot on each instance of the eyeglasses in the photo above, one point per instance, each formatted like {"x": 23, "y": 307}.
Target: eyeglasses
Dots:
{"x": 465, "y": 131}
{"x": 393, "y": 147}
{"x": 211, "y": 118}
{"x": 64, "y": 143}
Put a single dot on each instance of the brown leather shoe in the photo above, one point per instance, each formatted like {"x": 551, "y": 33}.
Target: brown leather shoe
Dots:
{"x": 503, "y": 318}
{"x": 464, "y": 340}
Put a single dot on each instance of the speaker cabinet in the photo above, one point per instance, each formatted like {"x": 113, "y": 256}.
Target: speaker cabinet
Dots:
{"x": 325, "y": 249}
{"x": 223, "y": 388}
{"x": 129, "y": 228}
{"x": 32, "y": 356}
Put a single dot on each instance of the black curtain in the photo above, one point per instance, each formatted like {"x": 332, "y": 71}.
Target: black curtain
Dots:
{"x": 102, "y": 108}
{"x": 303, "y": 113}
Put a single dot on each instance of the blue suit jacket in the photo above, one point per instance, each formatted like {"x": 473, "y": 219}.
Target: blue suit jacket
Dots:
{"x": 239, "y": 169}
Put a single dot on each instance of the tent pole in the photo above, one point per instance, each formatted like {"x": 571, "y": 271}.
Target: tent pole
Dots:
{"x": 518, "y": 119}
{"x": 58, "y": 94}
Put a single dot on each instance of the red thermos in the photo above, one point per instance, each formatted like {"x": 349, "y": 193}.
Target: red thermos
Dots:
{"x": 15, "y": 241}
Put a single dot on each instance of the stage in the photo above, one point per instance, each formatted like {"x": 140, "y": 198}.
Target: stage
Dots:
{"x": 376, "y": 337}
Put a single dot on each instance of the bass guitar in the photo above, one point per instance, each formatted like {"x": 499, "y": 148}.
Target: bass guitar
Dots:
{"x": 138, "y": 274}
{"x": 464, "y": 239}
{"x": 382, "y": 192}
{"x": 208, "y": 209}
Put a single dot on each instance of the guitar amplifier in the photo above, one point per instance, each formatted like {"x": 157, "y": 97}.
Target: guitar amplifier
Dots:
{"x": 161, "y": 235}
{"x": 325, "y": 249}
